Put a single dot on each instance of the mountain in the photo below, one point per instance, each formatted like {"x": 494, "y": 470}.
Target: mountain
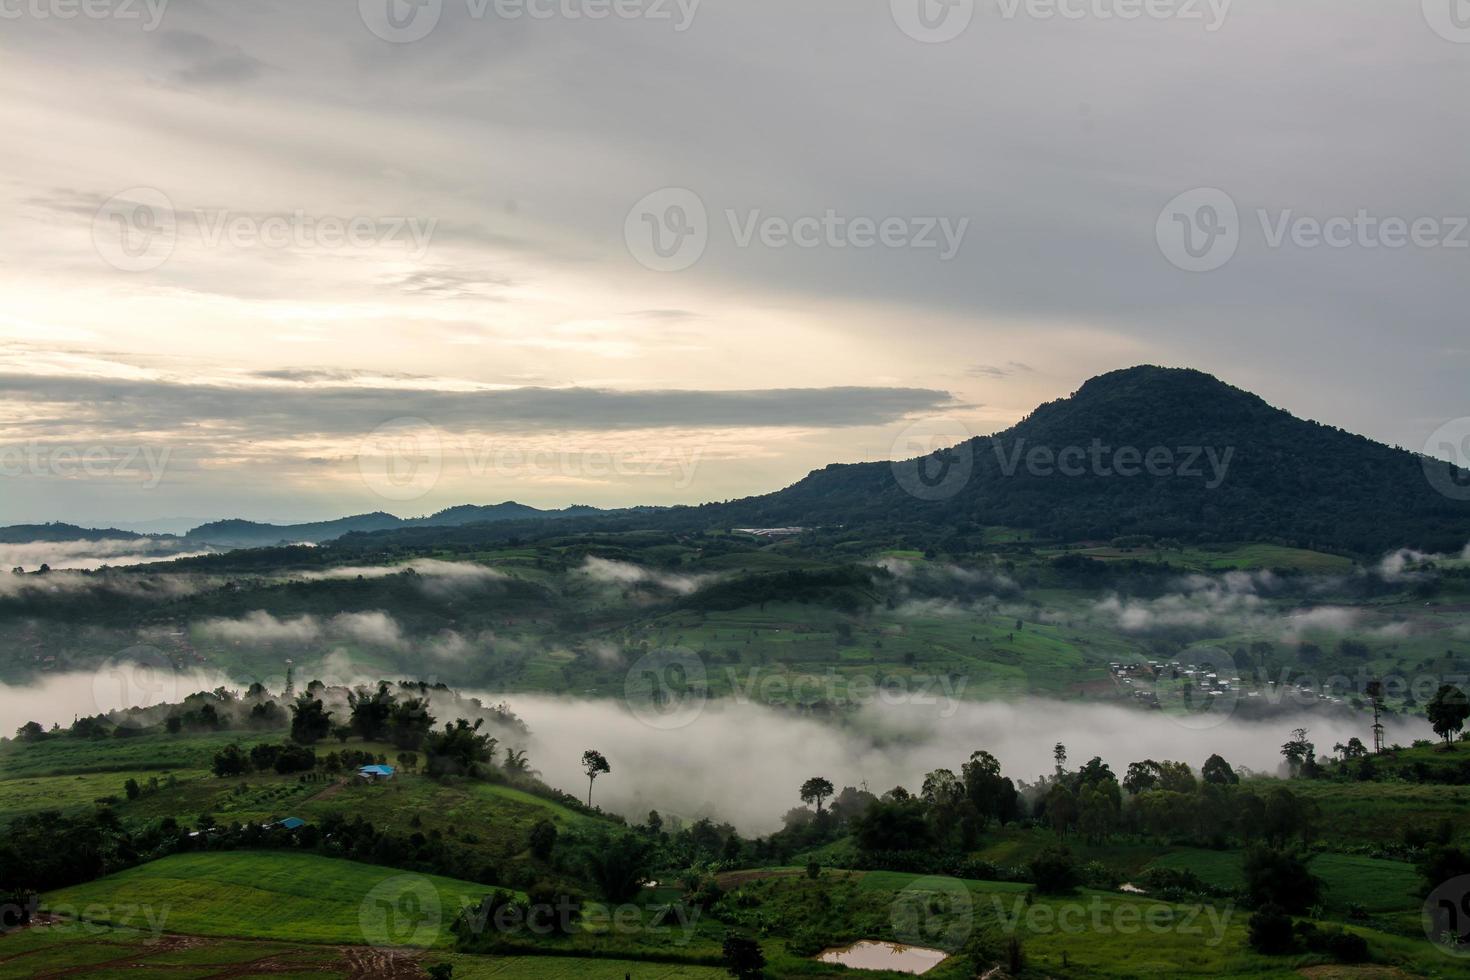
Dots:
{"x": 1226, "y": 466}
{"x": 1167, "y": 453}
{"x": 250, "y": 534}
{"x": 57, "y": 533}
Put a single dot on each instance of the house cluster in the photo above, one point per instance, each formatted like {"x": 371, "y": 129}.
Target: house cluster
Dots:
{"x": 1139, "y": 677}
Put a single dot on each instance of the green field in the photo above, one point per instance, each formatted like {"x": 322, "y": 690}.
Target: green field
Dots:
{"x": 123, "y": 954}
{"x": 268, "y": 895}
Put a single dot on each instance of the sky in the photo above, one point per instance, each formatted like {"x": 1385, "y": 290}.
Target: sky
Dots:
{"x": 289, "y": 261}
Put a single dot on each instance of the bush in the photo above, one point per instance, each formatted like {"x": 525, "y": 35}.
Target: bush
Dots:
{"x": 1054, "y": 871}
{"x": 1270, "y": 931}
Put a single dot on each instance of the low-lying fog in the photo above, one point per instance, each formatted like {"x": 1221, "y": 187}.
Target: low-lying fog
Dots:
{"x": 742, "y": 762}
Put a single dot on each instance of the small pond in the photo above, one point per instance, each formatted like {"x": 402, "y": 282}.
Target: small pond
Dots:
{"x": 872, "y": 955}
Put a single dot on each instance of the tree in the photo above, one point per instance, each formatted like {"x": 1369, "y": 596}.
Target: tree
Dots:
{"x": 594, "y": 764}
{"x": 1299, "y": 753}
{"x": 369, "y": 711}
{"x": 461, "y": 749}
{"x": 1218, "y": 772}
{"x": 1447, "y": 712}
{"x": 816, "y": 790}
{"x": 542, "y": 839}
{"x": 1270, "y": 931}
{"x": 619, "y": 864}
{"x": 310, "y": 720}
{"x": 743, "y": 957}
{"x": 1278, "y": 877}
{"x": 230, "y": 761}
{"x": 31, "y": 731}
{"x": 984, "y": 785}
{"x": 409, "y": 722}
{"x": 1054, "y": 871}
{"x": 892, "y": 824}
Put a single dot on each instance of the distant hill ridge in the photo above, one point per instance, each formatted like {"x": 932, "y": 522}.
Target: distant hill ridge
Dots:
{"x": 1156, "y": 451}
{"x": 1228, "y": 467}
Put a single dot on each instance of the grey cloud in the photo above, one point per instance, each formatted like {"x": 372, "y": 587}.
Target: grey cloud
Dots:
{"x": 294, "y": 411}
{"x": 202, "y": 62}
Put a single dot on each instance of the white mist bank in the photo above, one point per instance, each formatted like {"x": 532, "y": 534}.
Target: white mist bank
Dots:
{"x": 742, "y": 762}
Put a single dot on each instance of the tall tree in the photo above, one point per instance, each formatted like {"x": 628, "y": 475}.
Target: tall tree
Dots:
{"x": 816, "y": 790}
{"x": 310, "y": 720}
{"x": 594, "y": 764}
{"x": 1447, "y": 711}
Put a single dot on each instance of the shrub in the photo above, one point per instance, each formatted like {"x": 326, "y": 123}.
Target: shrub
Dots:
{"x": 1054, "y": 871}
{"x": 1270, "y": 931}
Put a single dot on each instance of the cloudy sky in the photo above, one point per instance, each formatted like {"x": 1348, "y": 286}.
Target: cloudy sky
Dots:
{"x": 288, "y": 260}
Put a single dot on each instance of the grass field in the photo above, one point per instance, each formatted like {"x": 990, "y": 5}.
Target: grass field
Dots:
{"x": 122, "y": 954}
{"x": 32, "y": 795}
{"x": 268, "y": 895}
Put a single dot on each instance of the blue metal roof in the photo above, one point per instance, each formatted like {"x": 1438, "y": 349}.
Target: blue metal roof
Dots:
{"x": 377, "y": 770}
{"x": 291, "y": 823}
